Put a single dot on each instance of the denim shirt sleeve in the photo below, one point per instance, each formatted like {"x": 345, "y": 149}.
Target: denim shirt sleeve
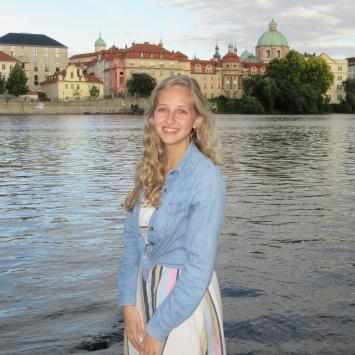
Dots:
{"x": 202, "y": 238}
{"x": 129, "y": 262}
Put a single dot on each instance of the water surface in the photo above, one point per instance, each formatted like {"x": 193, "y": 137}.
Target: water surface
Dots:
{"x": 286, "y": 260}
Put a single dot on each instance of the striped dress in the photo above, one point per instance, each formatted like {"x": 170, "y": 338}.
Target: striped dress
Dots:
{"x": 201, "y": 333}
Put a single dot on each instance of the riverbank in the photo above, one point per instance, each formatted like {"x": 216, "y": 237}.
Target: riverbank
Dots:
{"x": 102, "y": 106}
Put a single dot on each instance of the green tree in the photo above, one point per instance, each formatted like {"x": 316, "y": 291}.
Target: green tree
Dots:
{"x": 263, "y": 88}
{"x": 141, "y": 84}
{"x": 94, "y": 91}
{"x": 349, "y": 87}
{"x": 16, "y": 82}
{"x": 249, "y": 104}
{"x": 2, "y": 85}
{"x": 302, "y": 83}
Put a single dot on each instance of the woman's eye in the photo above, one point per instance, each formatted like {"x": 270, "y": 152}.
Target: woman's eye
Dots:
{"x": 162, "y": 110}
{"x": 182, "y": 112}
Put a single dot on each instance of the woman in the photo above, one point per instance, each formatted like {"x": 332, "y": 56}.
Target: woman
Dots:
{"x": 167, "y": 282}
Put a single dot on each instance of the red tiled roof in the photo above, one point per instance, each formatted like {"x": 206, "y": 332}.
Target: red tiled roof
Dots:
{"x": 203, "y": 62}
{"x": 231, "y": 57}
{"x": 84, "y": 55}
{"x": 4, "y": 57}
{"x": 92, "y": 78}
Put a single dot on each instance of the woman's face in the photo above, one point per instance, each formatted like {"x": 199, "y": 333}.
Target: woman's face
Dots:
{"x": 175, "y": 117}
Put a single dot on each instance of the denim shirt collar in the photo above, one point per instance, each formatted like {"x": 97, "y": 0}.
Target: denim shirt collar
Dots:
{"x": 187, "y": 160}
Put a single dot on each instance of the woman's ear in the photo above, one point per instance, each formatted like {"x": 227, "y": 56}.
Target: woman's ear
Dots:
{"x": 197, "y": 122}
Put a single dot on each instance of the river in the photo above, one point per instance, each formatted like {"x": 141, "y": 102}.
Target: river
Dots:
{"x": 286, "y": 262}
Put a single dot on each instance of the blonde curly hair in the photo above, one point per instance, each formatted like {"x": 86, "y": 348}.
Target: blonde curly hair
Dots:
{"x": 150, "y": 172}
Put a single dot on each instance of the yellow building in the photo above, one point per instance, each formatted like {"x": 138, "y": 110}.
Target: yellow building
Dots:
{"x": 72, "y": 83}
{"x": 7, "y": 62}
{"x": 208, "y": 74}
{"x": 339, "y": 67}
{"x": 154, "y": 60}
{"x": 38, "y": 54}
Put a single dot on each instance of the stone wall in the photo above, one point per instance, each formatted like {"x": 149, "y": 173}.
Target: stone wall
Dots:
{"x": 104, "y": 106}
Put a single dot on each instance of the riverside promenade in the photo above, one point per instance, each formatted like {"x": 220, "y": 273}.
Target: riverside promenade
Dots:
{"x": 95, "y": 106}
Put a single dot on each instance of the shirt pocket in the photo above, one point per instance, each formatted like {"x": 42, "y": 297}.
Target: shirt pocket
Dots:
{"x": 178, "y": 210}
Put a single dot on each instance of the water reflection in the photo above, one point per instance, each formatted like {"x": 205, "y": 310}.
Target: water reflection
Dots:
{"x": 287, "y": 248}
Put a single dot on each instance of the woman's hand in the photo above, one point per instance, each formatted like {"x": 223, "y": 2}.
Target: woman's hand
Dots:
{"x": 150, "y": 346}
{"x": 133, "y": 326}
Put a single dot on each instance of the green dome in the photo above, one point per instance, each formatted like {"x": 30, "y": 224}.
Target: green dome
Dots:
{"x": 272, "y": 37}
{"x": 100, "y": 42}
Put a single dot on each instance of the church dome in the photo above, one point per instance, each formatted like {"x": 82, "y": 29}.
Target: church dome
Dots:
{"x": 100, "y": 42}
{"x": 272, "y": 37}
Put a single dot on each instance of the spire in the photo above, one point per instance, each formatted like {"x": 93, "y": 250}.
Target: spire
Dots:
{"x": 216, "y": 54}
{"x": 272, "y": 25}
{"x": 235, "y": 48}
{"x": 160, "y": 42}
{"x": 230, "y": 47}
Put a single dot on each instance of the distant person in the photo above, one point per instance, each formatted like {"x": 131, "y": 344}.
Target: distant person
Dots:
{"x": 167, "y": 283}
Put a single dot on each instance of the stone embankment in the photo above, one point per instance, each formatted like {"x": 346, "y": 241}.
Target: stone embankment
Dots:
{"x": 103, "y": 106}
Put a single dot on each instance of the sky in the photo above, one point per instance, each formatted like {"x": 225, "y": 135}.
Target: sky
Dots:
{"x": 190, "y": 26}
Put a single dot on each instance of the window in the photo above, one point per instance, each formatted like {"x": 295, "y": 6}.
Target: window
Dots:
{"x": 340, "y": 68}
{"x": 35, "y": 52}
{"x": 72, "y": 86}
{"x": 161, "y": 55}
{"x": 78, "y": 86}
{"x": 66, "y": 86}
{"x": 71, "y": 75}
{"x": 151, "y": 55}
{"x": 253, "y": 70}
{"x": 340, "y": 77}
{"x": 142, "y": 55}
{"x": 13, "y": 50}
{"x": 152, "y": 64}
{"x": 11, "y": 66}
{"x": 161, "y": 73}
{"x": 46, "y": 52}
{"x": 23, "y": 65}
{"x": 268, "y": 53}
{"x": 161, "y": 65}
{"x": 35, "y": 80}
{"x": 3, "y": 66}
{"x": 262, "y": 70}
{"x": 57, "y": 52}
{"x": 131, "y": 63}
{"x": 171, "y": 73}
{"x": 339, "y": 97}
{"x": 339, "y": 87}
{"x": 46, "y": 68}
{"x": 278, "y": 54}
{"x": 35, "y": 66}
{"x": 57, "y": 65}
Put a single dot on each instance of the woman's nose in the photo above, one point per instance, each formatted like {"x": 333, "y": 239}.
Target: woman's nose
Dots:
{"x": 171, "y": 116}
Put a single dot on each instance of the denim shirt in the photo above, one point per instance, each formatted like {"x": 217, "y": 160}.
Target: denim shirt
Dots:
{"x": 183, "y": 233}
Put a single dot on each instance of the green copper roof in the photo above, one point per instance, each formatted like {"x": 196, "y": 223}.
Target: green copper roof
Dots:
{"x": 100, "y": 42}
{"x": 244, "y": 55}
{"x": 272, "y": 37}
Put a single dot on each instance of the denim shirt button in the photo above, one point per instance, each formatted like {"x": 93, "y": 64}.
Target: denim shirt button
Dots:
{"x": 151, "y": 228}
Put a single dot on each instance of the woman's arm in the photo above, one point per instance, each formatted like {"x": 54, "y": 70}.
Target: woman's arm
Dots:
{"x": 205, "y": 224}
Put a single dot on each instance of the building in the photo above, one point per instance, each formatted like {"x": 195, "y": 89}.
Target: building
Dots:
{"x": 351, "y": 67}
{"x": 209, "y": 76}
{"x": 232, "y": 71}
{"x": 154, "y": 60}
{"x": 72, "y": 83}
{"x": 271, "y": 44}
{"x": 339, "y": 67}
{"x": 7, "y": 62}
{"x": 38, "y": 54}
